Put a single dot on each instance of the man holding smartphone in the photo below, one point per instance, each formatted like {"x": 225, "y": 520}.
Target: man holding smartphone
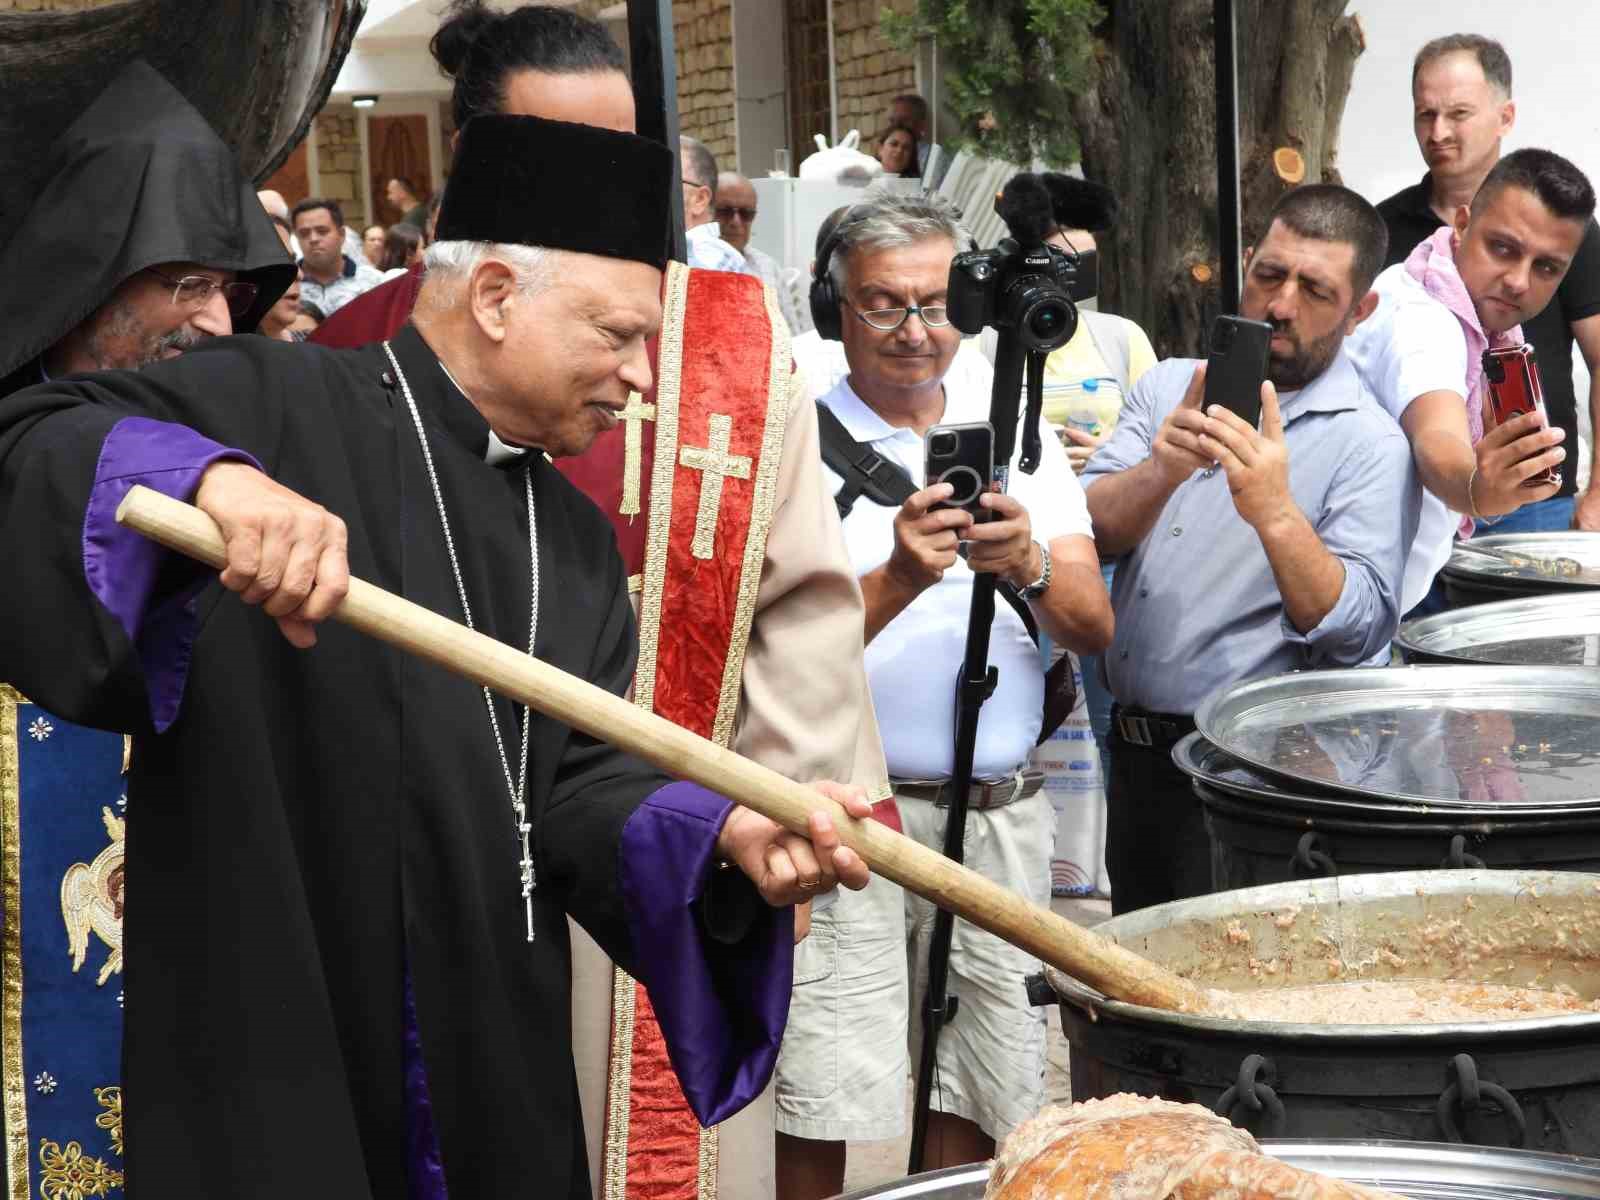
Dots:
{"x": 1244, "y": 552}
{"x": 1470, "y": 286}
{"x": 1462, "y": 110}
{"x": 881, "y": 289}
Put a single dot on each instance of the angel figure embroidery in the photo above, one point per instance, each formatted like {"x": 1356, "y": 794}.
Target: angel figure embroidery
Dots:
{"x": 91, "y": 899}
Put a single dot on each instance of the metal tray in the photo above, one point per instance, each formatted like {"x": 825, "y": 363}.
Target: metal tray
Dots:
{"x": 1430, "y": 737}
{"x": 1551, "y": 630}
{"x": 1422, "y": 1170}
{"x": 1543, "y": 554}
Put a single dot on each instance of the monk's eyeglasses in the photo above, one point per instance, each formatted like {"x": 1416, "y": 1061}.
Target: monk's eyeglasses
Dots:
{"x": 195, "y": 291}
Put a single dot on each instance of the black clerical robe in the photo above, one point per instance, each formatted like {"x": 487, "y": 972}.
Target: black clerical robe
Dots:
{"x": 308, "y": 829}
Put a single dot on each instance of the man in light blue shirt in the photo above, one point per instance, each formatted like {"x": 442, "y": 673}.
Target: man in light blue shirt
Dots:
{"x": 702, "y": 234}
{"x": 1242, "y": 552}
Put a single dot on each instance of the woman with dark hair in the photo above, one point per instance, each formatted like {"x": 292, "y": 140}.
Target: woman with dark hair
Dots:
{"x": 497, "y": 60}
{"x": 897, "y": 151}
{"x": 402, "y": 247}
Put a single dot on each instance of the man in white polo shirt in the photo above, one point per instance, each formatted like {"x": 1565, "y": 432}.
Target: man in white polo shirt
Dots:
{"x": 1469, "y": 286}
{"x": 842, "y": 1072}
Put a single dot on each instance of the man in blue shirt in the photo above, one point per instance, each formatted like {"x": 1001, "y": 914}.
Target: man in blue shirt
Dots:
{"x": 1245, "y": 552}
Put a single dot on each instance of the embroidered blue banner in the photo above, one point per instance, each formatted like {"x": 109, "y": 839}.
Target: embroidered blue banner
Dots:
{"x": 62, "y": 805}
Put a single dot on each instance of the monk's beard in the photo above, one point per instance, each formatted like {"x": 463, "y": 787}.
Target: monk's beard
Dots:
{"x": 123, "y": 342}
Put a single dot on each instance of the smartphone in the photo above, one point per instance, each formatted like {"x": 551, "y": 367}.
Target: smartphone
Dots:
{"x": 1515, "y": 390}
{"x": 962, "y": 456}
{"x": 1237, "y": 365}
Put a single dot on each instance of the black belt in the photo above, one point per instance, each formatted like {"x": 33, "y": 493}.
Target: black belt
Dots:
{"x": 994, "y": 794}
{"x": 1158, "y": 731}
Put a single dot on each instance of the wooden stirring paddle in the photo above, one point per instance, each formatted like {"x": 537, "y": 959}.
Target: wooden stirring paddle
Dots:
{"x": 1096, "y": 961}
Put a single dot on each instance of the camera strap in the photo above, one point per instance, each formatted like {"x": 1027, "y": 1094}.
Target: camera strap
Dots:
{"x": 867, "y": 473}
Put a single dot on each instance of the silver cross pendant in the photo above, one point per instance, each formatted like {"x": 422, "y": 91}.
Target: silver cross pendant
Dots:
{"x": 523, "y": 830}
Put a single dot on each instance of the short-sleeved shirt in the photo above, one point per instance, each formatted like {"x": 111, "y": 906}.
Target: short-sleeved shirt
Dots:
{"x": 1410, "y": 219}
{"x": 355, "y": 277}
{"x": 1078, "y": 382}
{"x": 914, "y": 662}
{"x": 1412, "y": 345}
{"x": 709, "y": 252}
{"x": 1196, "y": 603}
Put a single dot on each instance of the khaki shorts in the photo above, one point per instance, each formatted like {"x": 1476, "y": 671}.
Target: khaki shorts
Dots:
{"x": 851, "y": 1041}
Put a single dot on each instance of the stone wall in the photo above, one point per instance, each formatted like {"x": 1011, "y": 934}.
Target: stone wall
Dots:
{"x": 339, "y": 163}
{"x": 703, "y": 31}
{"x": 870, "y": 71}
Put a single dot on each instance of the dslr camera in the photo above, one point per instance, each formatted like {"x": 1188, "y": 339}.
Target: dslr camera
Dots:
{"x": 1027, "y": 291}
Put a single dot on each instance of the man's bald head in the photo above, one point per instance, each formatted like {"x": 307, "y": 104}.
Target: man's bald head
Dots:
{"x": 735, "y": 208}
{"x": 274, "y": 203}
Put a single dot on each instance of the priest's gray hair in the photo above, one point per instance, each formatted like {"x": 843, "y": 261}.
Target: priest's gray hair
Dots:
{"x": 889, "y": 221}
{"x": 452, "y": 263}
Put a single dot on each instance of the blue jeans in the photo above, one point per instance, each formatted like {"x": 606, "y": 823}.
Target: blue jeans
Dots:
{"x": 1546, "y": 516}
{"x": 1097, "y": 698}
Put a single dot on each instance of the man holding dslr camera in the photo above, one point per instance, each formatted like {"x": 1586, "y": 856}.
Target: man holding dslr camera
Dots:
{"x": 1243, "y": 551}
{"x": 881, "y": 289}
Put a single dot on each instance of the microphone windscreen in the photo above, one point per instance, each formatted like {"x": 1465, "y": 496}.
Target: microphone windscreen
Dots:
{"x": 1080, "y": 203}
{"x": 1025, "y": 206}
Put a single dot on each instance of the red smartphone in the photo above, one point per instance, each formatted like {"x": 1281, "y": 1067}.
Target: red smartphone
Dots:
{"x": 1515, "y": 390}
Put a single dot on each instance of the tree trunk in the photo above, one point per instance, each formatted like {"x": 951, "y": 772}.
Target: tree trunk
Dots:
{"x": 1148, "y": 126}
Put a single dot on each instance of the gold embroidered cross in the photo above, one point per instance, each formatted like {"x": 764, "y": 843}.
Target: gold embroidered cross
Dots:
{"x": 633, "y": 418}
{"x": 716, "y": 464}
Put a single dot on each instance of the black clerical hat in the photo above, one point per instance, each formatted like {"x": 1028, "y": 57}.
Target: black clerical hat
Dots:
{"x": 561, "y": 186}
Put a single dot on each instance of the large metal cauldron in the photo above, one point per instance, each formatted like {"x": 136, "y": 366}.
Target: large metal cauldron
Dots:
{"x": 1556, "y": 630}
{"x": 257, "y": 70}
{"x": 1421, "y": 1170}
{"x": 1508, "y": 565}
{"x": 1532, "y": 1083}
{"x": 1265, "y": 830}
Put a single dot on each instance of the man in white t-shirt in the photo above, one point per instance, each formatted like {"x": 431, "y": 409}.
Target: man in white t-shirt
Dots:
{"x": 1470, "y": 286}
{"x": 841, "y": 1075}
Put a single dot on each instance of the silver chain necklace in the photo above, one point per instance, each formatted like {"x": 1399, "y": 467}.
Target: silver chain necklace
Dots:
{"x": 518, "y": 787}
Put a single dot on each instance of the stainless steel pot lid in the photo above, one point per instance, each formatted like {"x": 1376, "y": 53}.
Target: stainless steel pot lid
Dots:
{"x": 1423, "y": 1170}
{"x": 1548, "y": 560}
{"x": 1207, "y": 763}
{"x": 1547, "y": 630}
{"x": 1430, "y": 737}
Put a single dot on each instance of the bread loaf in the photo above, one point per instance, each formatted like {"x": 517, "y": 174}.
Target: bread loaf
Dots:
{"x": 1137, "y": 1148}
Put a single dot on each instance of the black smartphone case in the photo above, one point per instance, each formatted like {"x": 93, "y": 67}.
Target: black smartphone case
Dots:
{"x": 969, "y": 467}
{"x": 1237, "y": 365}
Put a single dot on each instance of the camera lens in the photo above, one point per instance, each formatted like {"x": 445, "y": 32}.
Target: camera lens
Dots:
{"x": 943, "y": 444}
{"x": 1047, "y": 319}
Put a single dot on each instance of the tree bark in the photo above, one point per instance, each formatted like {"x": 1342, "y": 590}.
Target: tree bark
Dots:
{"x": 1148, "y": 127}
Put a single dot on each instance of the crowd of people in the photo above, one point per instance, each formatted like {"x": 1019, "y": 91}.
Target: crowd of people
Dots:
{"x": 397, "y": 1016}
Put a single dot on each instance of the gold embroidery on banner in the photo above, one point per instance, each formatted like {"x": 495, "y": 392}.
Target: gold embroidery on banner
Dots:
{"x": 91, "y": 899}
{"x": 651, "y": 585}
{"x": 13, "y": 1082}
{"x": 110, "y": 1099}
{"x": 633, "y": 417}
{"x": 763, "y": 506}
{"x": 669, "y": 375}
{"x": 707, "y": 1180}
{"x": 614, "y": 1168}
{"x": 714, "y": 464}
{"x": 635, "y": 584}
{"x": 68, "y": 1174}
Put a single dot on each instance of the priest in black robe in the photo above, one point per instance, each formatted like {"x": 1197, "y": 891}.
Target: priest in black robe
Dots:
{"x": 345, "y": 941}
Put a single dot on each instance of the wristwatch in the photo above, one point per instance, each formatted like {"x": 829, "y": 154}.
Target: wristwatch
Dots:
{"x": 1040, "y": 585}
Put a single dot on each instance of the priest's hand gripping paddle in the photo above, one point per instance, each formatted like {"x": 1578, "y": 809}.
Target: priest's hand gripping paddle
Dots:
{"x": 1102, "y": 964}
